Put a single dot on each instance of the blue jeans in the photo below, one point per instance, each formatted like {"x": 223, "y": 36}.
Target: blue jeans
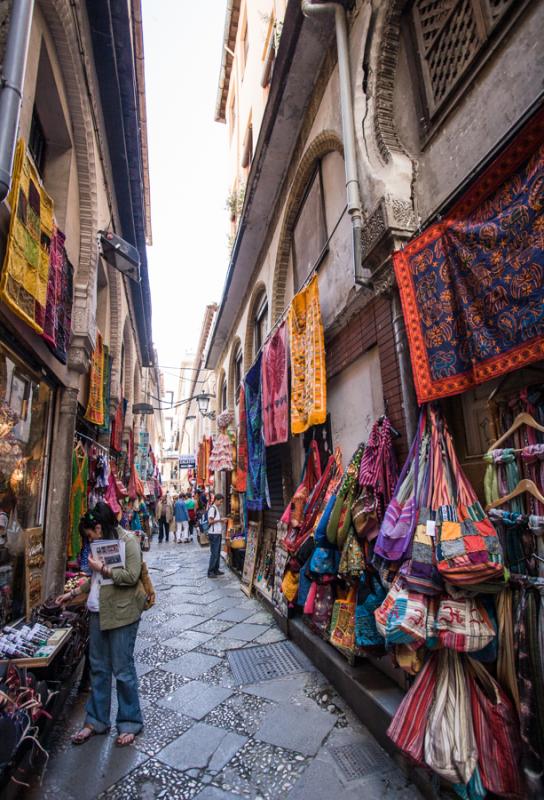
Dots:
{"x": 112, "y": 653}
{"x": 215, "y": 552}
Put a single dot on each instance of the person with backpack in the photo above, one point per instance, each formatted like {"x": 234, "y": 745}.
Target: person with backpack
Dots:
{"x": 181, "y": 516}
{"x": 216, "y": 530}
{"x": 116, "y": 599}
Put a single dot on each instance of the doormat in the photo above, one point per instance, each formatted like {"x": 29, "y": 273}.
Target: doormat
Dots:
{"x": 359, "y": 760}
{"x": 266, "y": 662}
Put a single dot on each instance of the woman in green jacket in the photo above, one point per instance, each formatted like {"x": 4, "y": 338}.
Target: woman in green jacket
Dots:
{"x": 116, "y": 599}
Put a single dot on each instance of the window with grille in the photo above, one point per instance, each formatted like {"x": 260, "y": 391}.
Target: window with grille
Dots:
{"x": 37, "y": 142}
{"x": 238, "y": 359}
{"x": 450, "y": 35}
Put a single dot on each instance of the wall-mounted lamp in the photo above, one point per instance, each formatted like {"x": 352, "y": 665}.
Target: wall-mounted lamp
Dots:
{"x": 203, "y": 403}
{"x": 122, "y": 256}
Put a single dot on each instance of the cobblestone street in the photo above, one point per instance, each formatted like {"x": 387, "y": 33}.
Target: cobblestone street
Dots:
{"x": 208, "y": 736}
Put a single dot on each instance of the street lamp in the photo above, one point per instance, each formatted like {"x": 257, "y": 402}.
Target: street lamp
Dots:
{"x": 203, "y": 403}
{"x": 122, "y": 256}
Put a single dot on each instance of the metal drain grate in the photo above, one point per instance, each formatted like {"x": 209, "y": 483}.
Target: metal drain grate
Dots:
{"x": 359, "y": 760}
{"x": 269, "y": 661}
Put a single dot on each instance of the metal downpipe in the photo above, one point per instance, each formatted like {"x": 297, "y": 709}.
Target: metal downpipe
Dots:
{"x": 362, "y": 277}
{"x": 11, "y": 87}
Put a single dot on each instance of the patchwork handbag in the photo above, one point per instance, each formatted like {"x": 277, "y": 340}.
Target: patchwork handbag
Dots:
{"x": 402, "y": 617}
{"x": 463, "y": 625}
{"x": 469, "y": 551}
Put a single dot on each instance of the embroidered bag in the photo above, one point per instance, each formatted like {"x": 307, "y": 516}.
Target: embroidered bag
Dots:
{"x": 323, "y": 561}
{"x": 352, "y": 561}
{"x": 364, "y": 515}
{"x": 340, "y": 518}
{"x": 463, "y": 625}
{"x": 370, "y": 595}
{"x": 323, "y": 605}
{"x": 342, "y": 628}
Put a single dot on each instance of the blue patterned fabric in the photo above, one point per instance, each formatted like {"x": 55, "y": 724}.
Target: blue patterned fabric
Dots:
{"x": 257, "y": 484}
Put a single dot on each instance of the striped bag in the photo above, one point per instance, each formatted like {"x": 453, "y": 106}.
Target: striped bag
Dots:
{"x": 463, "y": 625}
{"x": 409, "y": 725}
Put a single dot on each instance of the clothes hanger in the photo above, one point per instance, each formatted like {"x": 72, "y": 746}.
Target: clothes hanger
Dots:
{"x": 524, "y": 485}
{"x": 522, "y": 419}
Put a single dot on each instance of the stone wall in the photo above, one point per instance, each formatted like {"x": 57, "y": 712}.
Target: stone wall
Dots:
{"x": 5, "y": 6}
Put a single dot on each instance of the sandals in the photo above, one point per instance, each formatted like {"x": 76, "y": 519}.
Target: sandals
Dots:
{"x": 81, "y": 736}
{"x": 121, "y": 740}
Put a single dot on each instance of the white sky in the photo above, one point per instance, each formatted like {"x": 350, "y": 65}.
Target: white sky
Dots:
{"x": 188, "y": 169}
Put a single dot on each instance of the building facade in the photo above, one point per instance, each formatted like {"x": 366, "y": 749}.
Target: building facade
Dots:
{"x": 82, "y": 128}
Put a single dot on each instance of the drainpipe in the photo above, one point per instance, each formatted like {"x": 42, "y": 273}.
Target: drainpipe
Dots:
{"x": 11, "y": 86}
{"x": 409, "y": 400}
{"x": 362, "y": 276}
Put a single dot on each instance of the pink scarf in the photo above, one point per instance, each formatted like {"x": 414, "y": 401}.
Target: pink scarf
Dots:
{"x": 274, "y": 388}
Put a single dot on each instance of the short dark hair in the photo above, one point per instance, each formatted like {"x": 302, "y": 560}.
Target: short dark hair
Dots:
{"x": 101, "y": 515}
{"x": 218, "y": 496}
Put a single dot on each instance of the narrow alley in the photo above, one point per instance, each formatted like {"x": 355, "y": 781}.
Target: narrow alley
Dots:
{"x": 213, "y": 731}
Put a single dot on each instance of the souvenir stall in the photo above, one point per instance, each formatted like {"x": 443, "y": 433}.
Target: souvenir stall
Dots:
{"x": 37, "y": 654}
{"x": 465, "y": 586}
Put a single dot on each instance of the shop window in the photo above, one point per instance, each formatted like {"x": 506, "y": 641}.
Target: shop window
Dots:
{"x": 450, "y": 35}
{"x": 310, "y": 231}
{"x": 261, "y": 324}
{"x": 25, "y": 419}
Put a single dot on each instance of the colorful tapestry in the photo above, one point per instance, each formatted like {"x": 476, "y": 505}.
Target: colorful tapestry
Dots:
{"x": 275, "y": 388}
{"x": 78, "y": 497}
{"x": 54, "y": 286}
{"x": 241, "y": 455}
{"x": 472, "y": 286}
{"x": 307, "y": 343}
{"x": 116, "y": 438}
{"x": 108, "y": 364}
{"x": 63, "y": 318}
{"x": 257, "y": 484}
{"x": 26, "y": 264}
{"x": 95, "y": 403}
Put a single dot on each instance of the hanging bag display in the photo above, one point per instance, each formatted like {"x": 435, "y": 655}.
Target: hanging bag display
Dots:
{"x": 496, "y": 729}
{"x": 340, "y": 518}
{"x": 352, "y": 561}
{"x": 408, "y": 727}
{"x": 323, "y": 605}
{"x": 463, "y": 625}
{"x": 342, "y": 635}
{"x": 370, "y": 596}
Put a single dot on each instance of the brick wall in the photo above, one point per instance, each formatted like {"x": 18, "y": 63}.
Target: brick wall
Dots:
{"x": 370, "y": 327}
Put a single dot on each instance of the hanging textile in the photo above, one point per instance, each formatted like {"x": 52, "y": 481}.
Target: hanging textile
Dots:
{"x": 257, "y": 484}
{"x": 116, "y": 439}
{"x": 241, "y": 456}
{"x": 275, "y": 388}
{"x": 221, "y": 457}
{"x": 108, "y": 362}
{"x": 378, "y": 470}
{"x": 26, "y": 264}
{"x": 201, "y": 463}
{"x": 78, "y": 497}
{"x": 472, "y": 285}
{"x": 307, "y": 344}
{"x": 58, "y": 310}
{"x": 95, "y": 403}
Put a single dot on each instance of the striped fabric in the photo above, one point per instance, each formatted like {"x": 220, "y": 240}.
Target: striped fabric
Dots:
{"x": 408, "y": 727}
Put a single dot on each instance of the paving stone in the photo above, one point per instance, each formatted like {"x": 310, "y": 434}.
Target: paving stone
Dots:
{"x": 279, "y": 689}
{"x": 236, "y": 614}
{"x": 161, "y": 727}
{"x": 241, "y": 713}
{"x": 203, "y": 746}
{"x": 196, "y": 699}
{"x": 220, "y": 644}
{"x": 261, "y": 770}
{"x": 245, "y": 632}
{"x": 182, "y": 622}
{"x": 142, "y": 669}
{"x": 260, "y": 618}
{"x": 153, "y": 780}
{"x": 191, "y": 665}
{"x": 271, "y": 636}
{"x": 187, "y": 640}
{"x": 212, "y": 793}
{"x": 213, "y": 626}
{"x": 158, "y": 683}
{"x": 155, "y": 655}
{"x": 296, "y": 728}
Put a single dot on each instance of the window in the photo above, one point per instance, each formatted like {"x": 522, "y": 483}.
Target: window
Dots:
{"x": 232, "y": 113}
{"x": 269, "y": 56}
{"x": 247, "y": 151}
{"x": 224, "y": 396}
{"x": 450, "y": 34}
{"x": 238, "y": 361}
{"x": 261, "y": 324}
{"x": 36, "y": 142}
{"x": 310, "y": 231}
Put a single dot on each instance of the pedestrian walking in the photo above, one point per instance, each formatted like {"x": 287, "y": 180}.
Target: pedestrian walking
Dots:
{"x": 191, "y": 510}
{"x": 163, "y": 516}
{"x": 116, "y": 599}
{"x": 215, "y": 534}
{"x": 181, "y": 516}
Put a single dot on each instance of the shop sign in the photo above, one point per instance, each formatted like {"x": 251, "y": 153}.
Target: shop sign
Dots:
{"x": 187, "y": 462}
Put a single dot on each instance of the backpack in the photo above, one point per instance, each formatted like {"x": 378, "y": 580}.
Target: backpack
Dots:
{"x": 149, "y": 589}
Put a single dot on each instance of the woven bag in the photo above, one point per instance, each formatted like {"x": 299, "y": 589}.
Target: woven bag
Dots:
{"x": 463, "y": 625}
{"x": 342, "y": 628}
{"x": 409, "y": 725}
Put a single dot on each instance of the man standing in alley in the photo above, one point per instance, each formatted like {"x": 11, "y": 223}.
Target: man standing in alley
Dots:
{"x": 182, "y": 520}
{"x": 215, "y": 534}
{"x": 164, "y": 517}
{"x": 191, "y": 510}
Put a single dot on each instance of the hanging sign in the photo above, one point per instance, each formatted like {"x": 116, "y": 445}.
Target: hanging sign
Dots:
{"x": 187, "y": 462}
